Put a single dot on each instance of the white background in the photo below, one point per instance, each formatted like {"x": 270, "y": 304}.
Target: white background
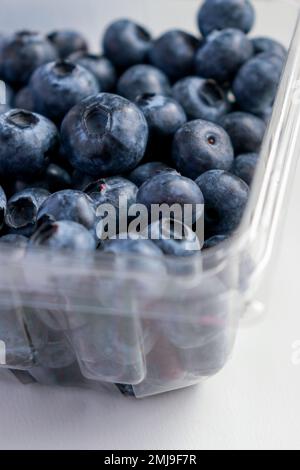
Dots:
{"x": 253, "y": 403}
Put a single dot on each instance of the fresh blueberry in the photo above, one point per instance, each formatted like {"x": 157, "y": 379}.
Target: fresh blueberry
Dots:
{"x": 21, "y": 54}
{"x": 57, "y": 178}
{"x": 200, "y": 146}
{"x": 225, "y": 198}
{"x": 164, "y": 116}
{"x": 100, "y": 67}
{"x": 104, "y": 135}
{"x": 63, "y": 235}
{"x": 126, "y": 390}
{"x": 223, "y": 53}
{"x": 169, "y": 237}
{"x": 245, "y": 130}
{"x": 24, "y": 99}
{"x": 264, "y": 44}
{"x": 201, "y": 98}
{"x": 67, "y": 42}
{"x": 220, "y": 14}
{"x": 111, "y": 190}
{"x": 244, "y": 166}
{"x": 174, "y": 53}
{"x": 22, "y": 210}
{"x": 3, "y": 205}
{"x": 170, "y": 188}
{"x": 115, "y": 191}
{"x": 71, "y": 205}
{"x": 141, "y": 80}
{"x": 143, "y": 172}
{"x": 256, "y": 83}
{"x": 19, "y": 241}
{"x": 214, "y": 241}
{"x": 266, "y": 114}
{"x": 58, "y": 86}
{"x": 126, "y": 43}
{"x": 27, "y": 140}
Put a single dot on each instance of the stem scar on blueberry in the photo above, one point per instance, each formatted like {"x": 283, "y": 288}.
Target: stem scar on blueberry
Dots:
{"x": 22, "y": 119}
{"x": 211, "y": 140}
{"x": 97, "y": 121}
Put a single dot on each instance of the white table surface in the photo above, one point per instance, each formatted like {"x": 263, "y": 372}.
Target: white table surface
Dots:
{"x": 253, "y": 403}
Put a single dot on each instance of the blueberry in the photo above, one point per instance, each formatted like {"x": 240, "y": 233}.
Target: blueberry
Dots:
{"x": 104, "y": 135}
{"x": 71, "y": 205}
{"x": 126, "y": 43}
{"x": 223, "y": 53}
{"x": 256, "y": 83}
{"x": 57, "y": 178}
{"x": 220, "y": 14}
{"x": 114, "y": 191}
{"x": 26, "y": 141}
{"x": 143, "y": 172}
{"x": 265, "y": 44}
{"x": 22, "y": 210}
{"x": 225, "y": 198}
{"x": 245, "y": 130}
{"x": 110, "y": 190}
{"x": 19, "y": 241}
{"x": 141, "y": 80}
{"x": 171, "y": 188}
{"x": 24, "y": 99}
{"x": 174, "y": 53}
{"x": 244, "y": 166}
{"x": 169, "y": 237}
{"x": 200, "y": 146}
{"x": 100, "y": 67}
{"x": 21, "y": 54}
{"x": 66, "y": 235}
{"x": 201, "y": 98}
{"x": 3, "y": 205}
{"x": 164, "y": 116}
{"x": 266, "y": 114}
{"x": 58, "y": 86}
{"x": 214, "y": 241}
{"x": 67, "y": 42}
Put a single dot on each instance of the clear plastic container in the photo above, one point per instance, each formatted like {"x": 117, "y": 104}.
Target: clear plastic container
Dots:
{"x": 133, "y": 321}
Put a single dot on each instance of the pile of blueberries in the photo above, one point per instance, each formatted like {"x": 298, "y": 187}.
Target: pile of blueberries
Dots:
{"x": 176, "y": 119}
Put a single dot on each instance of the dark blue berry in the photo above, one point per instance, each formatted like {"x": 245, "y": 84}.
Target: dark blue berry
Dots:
{"x": 221, "y": 14}
{"x": 21, "y": 54}
{"x": 201, "y": 98}
{"x": 126, "y": 43}
{"x": 57, "y": 178}
{"x": 3, "y": 205}
{"x": 69, "y": 205}
{"x": 174, "y": 53}
{"x": 223, "y": 53}
{"x": 171, "y": 239}
{"x": 104, "y": 135}
{"x": 67, "y": 42}
{"x": 256, "y": 83}
{"x": 100, "y": 67}
{"x": 143, "y": 172}
{"x": 24, "y": 99}
{"x": 164, "y": 116}
{"x": 244, "y": 166}
{"x": 171, "y": 188}
{"x": 63, "y": 235}
{"x": 27, "y": 140}
{"x": 200, "y": 146}
{"x": 265, "y": 44}
{"x": 214, "y": 241}
{"x": 143, "y": 79}
{"x": 245, "y": 130}
{"x": 22, "y": 210}
{"x": 58, "y": 86}
{"x": 17, "y": 240}
{"x": 225, "y": 199}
